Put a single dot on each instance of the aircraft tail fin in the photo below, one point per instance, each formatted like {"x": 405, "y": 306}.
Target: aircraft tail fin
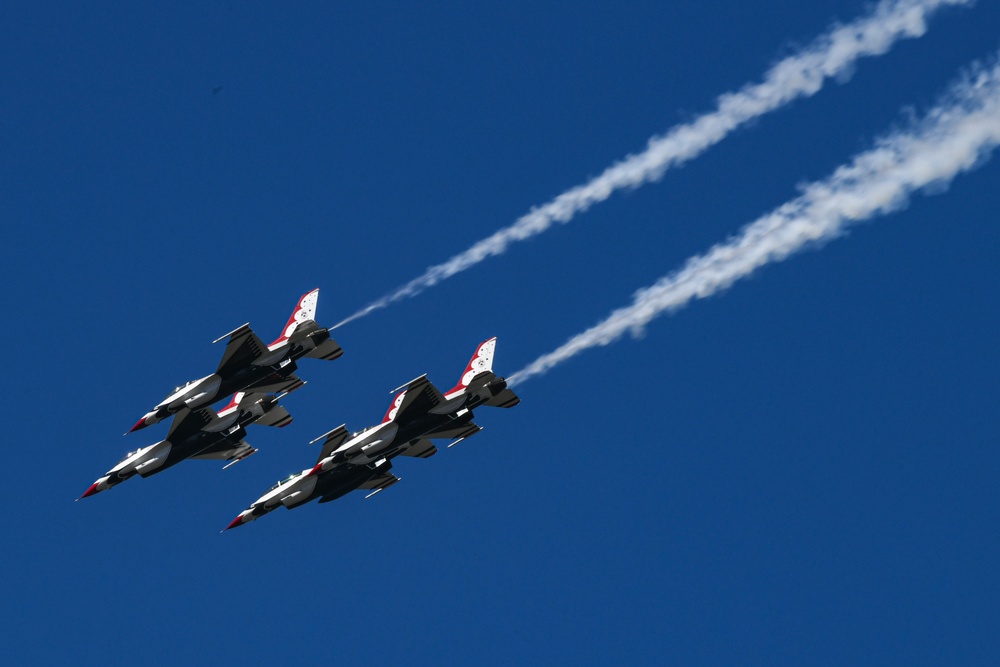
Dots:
{"x": 397, "y": 400}
{"x": 481, "y": 362}
{"x": 480, "y": 379}
{"x": 305, "y": 311}
{"x": 233, "y": 403}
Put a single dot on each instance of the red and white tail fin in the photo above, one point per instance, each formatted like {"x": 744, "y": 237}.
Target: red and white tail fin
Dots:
{"x": 481, "y": 362}
{"x": 304, "y": 311}
{"x": 232, "y": 404}
{"x": 390, "y": 414}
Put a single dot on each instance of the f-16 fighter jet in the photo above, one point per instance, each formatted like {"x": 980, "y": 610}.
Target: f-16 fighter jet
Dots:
{"x": 200, "y": 434}
{"x": 418, "y": 414}
{"x": 249, "y": 365}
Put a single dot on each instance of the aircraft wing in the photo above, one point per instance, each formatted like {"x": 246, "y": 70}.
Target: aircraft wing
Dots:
{"x": 456, "y": 432}
{"x": 379, "y": 482}
{"x": 276, "y": 384}
{"x": 188, "y": 422}
{"x": 227, "y": 450}
{"x": 420, "y": 397}
{"x": 242, "y": 349}
{"x": 331, "y": 441}
{"x": 421, "y": 449}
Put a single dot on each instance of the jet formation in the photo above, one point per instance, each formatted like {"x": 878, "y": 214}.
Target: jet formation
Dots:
{"x": 247, "y": 364}
{"x": 259, "y": 376}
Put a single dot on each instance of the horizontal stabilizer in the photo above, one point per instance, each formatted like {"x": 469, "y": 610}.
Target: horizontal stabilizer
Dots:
{"x": 421, "y": 449}
{"x": 276, "y": 416}
{"x": 328, "y": 350}
{"x": 505, "y": 399}
{"x": 485, "y": 383}
{"x": 480, "y": 380}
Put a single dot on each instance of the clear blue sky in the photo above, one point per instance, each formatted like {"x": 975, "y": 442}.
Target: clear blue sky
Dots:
{"x": 802, "y": 470}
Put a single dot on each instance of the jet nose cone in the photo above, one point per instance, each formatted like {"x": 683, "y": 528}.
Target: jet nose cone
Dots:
{"x": 138, "y": 425}
{"x": 91, "y": 490}
{"x": 238, "y": 521}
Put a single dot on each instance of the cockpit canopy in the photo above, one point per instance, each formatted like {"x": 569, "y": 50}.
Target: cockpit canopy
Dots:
{"x": 283, "y": 481}
{"x": 183, "y": 386}
{"x": 129, "y": 455}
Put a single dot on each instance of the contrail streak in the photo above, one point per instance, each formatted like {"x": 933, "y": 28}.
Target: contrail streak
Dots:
{"x": 801, "y": 75}
{"x": 954, "y": 137}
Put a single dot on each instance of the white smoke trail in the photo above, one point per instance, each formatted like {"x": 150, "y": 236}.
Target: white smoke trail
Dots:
{"x": 801, "y": 75}
{"x": 954, "y": 137}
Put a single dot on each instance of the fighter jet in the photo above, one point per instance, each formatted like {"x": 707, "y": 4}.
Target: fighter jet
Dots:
{"x": 200, "y": 434}
{"x": 418, "y": 414}
{"x": 249, "y": 365}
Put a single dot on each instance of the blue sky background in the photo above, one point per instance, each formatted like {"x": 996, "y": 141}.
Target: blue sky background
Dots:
{"x": 802, "y": 470}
